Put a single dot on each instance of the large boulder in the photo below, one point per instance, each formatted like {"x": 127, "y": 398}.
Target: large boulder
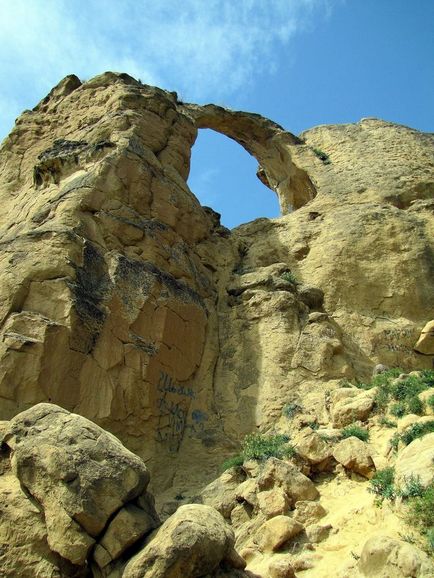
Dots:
{"x": 425, "y": 343}
{"x": 386, "y": 557}
{"x": 221, "y": 493}
{"x": 91, "y": 489}
{"x": 311, "y": 447}
{"x": 350, "y": 405}
{"x": 416, "y": 460}
{"x": 278, "y": 473}
{"x": 355, "y": 456}
{"x": 274, "y": 533}
{"x": 191, "y": 543}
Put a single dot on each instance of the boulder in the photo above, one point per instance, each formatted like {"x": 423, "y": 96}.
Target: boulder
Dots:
{"x": 285, "y": 475}
{"x": 416, "y": 460}
{"x": 82, "y": 477}
{"x": 274, "y": 533}
{"x": 355, "y": 456}
{"x": 308, "y": 512}
{"x": 311, "y": 447}
{"x": 425, "y": 343}
{"x": 247, "y": 491}
{"x": 281, "y": 568}
{"x": 24, "y": 550}
{"x": 386, "y": 557}
{"x": 350, "y": 405}
{"x": 316, "y": 533}
{"x": 221, "y": 493}
{"x": 273, "y": 502}
{"x": 191, "y": 543}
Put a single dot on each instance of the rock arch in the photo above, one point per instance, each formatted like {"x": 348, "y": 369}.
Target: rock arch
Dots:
{"x": 275, "y": 149}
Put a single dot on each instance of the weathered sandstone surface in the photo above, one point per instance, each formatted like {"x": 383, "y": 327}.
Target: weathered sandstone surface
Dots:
{"x": 124, "y": 301}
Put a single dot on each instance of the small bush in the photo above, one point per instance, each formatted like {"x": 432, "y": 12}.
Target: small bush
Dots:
{"x": 290, "y": 277}
{"x": 398, "y": 409}
{"x": 430, "y": 401}
{"x": 417, "y": 430}
{"x": 412, "y": 489}
{"x": 385, "y": 377}
{"x": 324, "y": 157}
{"x": 415, "y": 405}
{"x": 260, "y": 447}
{"x": 394, "y": 442}
{"x": 313, "y": 425}
{"x": 421, "y": 514}
{"x": 356, "y": 431}
{"x": 382, "y": 484}
{"x": 428, "y": 377}
{"x": 387, "y": 422}
{"x": 408, "y": 387}
{"x": 234, "y": 462}
{"x": 381, "y": 399}
{"x": 404, "y": 391}
{"x": 290, "y": 409}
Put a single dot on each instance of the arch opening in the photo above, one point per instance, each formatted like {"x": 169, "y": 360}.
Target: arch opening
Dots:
{"x": 223, "y": 177}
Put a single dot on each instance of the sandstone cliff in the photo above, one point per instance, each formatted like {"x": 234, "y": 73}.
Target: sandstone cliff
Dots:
{"x": 125, "y": 301}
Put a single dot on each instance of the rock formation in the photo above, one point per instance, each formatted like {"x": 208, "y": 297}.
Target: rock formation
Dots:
{"x": 124, "y": 301}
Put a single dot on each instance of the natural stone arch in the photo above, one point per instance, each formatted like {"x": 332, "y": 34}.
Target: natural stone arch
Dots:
{"x": 272, "y": 146}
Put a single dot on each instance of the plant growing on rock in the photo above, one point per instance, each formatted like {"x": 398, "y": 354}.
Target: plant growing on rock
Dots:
{"x": 417, "y": 430}
{"x": 324, "y": 157}
{"x": 382, "y": 484}
{"x": 290, "y": 409}
{"x": 258, "y": 446}
{"x": 290, "y": 277}
{"x": 412, "y": 488}
{"x": 404, "y": 392}
{"x": 354, "y": 430}
{"x": 421, "y": 514}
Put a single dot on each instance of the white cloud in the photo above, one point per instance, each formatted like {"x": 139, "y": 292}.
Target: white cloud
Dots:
{"x": 205, "y": 50}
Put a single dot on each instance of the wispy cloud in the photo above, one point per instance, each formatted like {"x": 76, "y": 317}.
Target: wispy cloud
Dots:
{"x": 204, "y": 50}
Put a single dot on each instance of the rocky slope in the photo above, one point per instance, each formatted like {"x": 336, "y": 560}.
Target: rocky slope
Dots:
{"x": 123, "y": 300}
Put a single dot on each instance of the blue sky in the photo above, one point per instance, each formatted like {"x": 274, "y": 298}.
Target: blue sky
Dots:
{"x": 299, "y": 62}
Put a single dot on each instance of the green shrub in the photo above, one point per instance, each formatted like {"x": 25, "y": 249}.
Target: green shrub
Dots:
{"x": 381, "y": 399}
{"x": 382, "y": 484}
{"x": 290, "y": 277}
{"x": 428, "y": 377}
{"x": 415, "y": 405}
{"x": 398, "y": 409}
{"x": 356, "y": 431}
{"x": 430, "y": 401}
{"x": 313, "y": 425}
{"x": 421, "y": 514}
{"x": 387, "y": 422}
{"x": 234, "y": 462}
{"x": 260, "y": 447}
{"x": 404, "y": 392}
{"x": 290, "y": 409}
{"x": 411, "y": 386}
{"x": 417, "y": 430}
{"x": 324, "y": 157}
{"x": 412, "y": 489}
{"x": 394, "y": 442}
{"x": 385, "y": 377}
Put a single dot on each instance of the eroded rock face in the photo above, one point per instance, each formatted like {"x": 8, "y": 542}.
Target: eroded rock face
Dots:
{"x": 125, "y": 301}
